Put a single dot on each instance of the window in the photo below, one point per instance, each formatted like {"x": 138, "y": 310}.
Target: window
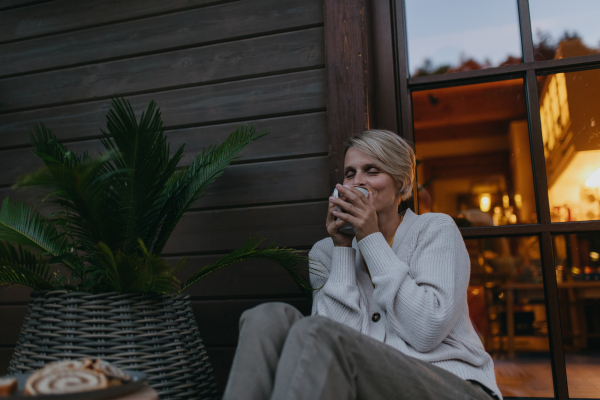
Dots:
{"x": 500, "y": 99}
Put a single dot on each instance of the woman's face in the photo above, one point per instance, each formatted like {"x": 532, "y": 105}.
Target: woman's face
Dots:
{"x": 361, "y": 170}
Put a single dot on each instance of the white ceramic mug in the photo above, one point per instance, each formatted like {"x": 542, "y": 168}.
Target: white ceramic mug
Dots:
{"x": 348, "y": 228}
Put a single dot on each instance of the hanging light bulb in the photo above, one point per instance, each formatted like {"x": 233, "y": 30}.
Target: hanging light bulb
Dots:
{"x": 594, "y": 179}
{"x": 485, "y": 202}
{"x": 518, "y": 201}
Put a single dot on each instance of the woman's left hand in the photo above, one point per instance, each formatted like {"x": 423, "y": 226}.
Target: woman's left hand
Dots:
{"x": 361, "y": 213}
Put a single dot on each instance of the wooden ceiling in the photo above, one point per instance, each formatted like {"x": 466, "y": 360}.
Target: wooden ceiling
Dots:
{"x": 477, "y": 110}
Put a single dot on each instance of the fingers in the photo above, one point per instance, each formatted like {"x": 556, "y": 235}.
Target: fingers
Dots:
{"x": 353, "y": 194}
{"x": 345, "y": 206}
{"x": 330, "y": 217}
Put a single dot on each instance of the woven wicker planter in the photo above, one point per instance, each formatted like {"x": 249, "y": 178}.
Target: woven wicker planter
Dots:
{"x": 154, "y": 334}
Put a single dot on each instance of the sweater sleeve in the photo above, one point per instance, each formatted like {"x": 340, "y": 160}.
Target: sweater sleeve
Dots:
{"x": 332, "y": 274}
{"x": 422, "y": 301}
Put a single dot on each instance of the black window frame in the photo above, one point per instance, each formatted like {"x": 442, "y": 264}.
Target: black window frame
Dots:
{"x": 528, "y": 70}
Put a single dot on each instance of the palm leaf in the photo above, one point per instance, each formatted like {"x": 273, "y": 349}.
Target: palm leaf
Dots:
{"x": 47, "y": 147}
{"x": 188, "y": 185}
{"x": 289, "y": 259}
{"x": 20, "y": 266}
{"x": 142, "y": 149}
{"x": 125, "y": 273}
{"x": 20, "y": 224}
{"x": 84, "y": 192}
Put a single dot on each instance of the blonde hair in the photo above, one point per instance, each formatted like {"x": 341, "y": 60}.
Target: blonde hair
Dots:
{"x": 393, "y": 155}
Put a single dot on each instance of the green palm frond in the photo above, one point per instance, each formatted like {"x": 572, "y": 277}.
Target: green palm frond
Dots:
{"x": 85, "y": 190}
{"x": 21, "y": 225}
{"x": 187, "y": 186}
{"x": 47, "y": 147}
{"x": 20, "y": 266}
{"x": 145, "y": 273}
{"x": 289, "y": 259}
{"x": 142, "y": 148}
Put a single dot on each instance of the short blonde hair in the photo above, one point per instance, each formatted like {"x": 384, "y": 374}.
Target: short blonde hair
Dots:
{"x": 391, "y": 153}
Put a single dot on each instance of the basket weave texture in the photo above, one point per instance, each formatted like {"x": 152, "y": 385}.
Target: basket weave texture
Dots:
{"x": 155, "y": 334}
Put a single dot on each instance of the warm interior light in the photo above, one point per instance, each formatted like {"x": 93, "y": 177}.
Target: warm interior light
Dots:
{"x": 518, "y": 201}
{"x": 594, "y": 179}
{"x": 485, "y": 202}
{"x": 594, "y": 256}
{"x": 505, "y": 201}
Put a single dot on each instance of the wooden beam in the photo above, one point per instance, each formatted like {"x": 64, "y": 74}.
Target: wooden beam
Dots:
{"x": 347, "y": 62}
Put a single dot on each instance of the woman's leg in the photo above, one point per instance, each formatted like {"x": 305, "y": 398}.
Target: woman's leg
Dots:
{"x": 325, "y": 360}
{"x": 263, "y": 331}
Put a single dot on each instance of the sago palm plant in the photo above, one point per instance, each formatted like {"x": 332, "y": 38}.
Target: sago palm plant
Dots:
{"x": 117, "y": 211}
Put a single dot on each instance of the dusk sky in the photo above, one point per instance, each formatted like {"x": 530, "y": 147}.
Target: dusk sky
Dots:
{"x": 483, "y": 29}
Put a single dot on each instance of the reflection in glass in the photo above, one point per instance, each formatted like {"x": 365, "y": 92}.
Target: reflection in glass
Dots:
{"x": 507, "y": 308}
{"x": 563, "y": 29}
{"x": 448, "y": 36}
{"x": 577, "y": 263}
{"x": 569, "y": 109}
{"x": 472, "y": 146}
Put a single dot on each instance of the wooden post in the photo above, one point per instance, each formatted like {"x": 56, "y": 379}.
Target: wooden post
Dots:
{"x": 347, "y": 35}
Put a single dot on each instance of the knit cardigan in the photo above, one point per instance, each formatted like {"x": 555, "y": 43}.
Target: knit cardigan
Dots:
{"x": 420, "y": 291}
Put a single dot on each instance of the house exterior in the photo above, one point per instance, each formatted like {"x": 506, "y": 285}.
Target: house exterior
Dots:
{"x": 500, "y": 143}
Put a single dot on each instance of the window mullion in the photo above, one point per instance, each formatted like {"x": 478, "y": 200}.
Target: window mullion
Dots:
{"x": 538, "y": 162}
{"x": 404, "y": 100}
{"x": 526, "y": 36}
{"x": 557, "y": 353}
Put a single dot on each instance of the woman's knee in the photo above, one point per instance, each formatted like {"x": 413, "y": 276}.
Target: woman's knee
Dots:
{"x": 307, "y": 326}
{"x": 271, "y": 313}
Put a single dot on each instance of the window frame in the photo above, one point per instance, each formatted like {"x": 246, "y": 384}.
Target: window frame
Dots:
{"x": 528, "y": 70}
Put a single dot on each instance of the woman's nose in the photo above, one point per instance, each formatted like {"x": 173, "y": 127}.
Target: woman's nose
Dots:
{"x": 359, "y": 179}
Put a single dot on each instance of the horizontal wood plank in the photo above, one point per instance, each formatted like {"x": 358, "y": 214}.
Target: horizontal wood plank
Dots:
{"x": 240, "y": 100}
{"x": 12, "y": 4}
{"x": 11, "y": 295}
{"x": 251, "y": 278}
{"x": 293, "y": 225}
{"x": 12, "y": 318}
{"x": 270, "y": 182}
{"x": 221, "y": 359}
{"x": 267, "y": 182}
{"x": 161, "y": 33}
{"x": 64, "y": 15}
{"x": 6, "y": 354}
{"x": 290, "y": 136}
{"x": 220, "y": 62}
{"x": 216, "y": 319}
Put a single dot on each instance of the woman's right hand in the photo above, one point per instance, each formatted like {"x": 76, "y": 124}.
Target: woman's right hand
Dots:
{"x": 339, "y": 239}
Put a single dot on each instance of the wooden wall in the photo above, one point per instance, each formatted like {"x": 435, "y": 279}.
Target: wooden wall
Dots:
{"x": 210, "y": 65}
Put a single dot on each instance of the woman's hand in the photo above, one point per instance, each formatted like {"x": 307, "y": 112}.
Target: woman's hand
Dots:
{"x": 360, "y": 212}
{"x": 339, "y": 239}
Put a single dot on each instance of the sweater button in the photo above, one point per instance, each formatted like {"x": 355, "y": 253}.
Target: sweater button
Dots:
{"x": 376, "y": 317}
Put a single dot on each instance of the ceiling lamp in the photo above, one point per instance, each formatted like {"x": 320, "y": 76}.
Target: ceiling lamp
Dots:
{"x": 485, "y": 202}
{"x": 593, "y": 180}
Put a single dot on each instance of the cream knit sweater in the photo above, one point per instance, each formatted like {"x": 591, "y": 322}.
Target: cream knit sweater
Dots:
{"x": 420, "y": 292}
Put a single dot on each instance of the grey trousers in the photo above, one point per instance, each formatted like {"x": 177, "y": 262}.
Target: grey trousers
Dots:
{"x": 284, "y": 355}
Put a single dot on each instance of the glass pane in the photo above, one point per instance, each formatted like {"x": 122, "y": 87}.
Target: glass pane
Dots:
{"x": 472, "y": 146}
{"x": 577, "y": 262}
{"x": 460, "y": 35}
{"x": 569, "y": 109}
{"x": 507, "y": 308}
{"x": 563, "y": 29}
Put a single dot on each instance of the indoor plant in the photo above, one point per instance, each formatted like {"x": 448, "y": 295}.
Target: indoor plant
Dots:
{"x": 119, "y": 299}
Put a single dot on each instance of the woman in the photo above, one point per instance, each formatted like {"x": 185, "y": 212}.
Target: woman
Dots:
{"x": 390, "y": 317}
